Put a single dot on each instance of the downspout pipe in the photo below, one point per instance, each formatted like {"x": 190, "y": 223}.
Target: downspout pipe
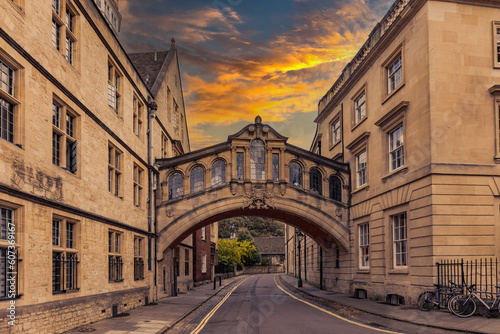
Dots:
{"x": 152, "y": 175}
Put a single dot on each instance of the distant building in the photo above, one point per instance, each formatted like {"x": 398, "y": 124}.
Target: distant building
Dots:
{"x": 272, "y": 248}
{"x": 206, "y": 254}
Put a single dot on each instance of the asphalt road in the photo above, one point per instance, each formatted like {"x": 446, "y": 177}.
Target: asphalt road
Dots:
{"x": 258, "y": 306}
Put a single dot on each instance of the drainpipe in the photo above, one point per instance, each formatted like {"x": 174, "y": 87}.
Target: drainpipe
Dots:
{"x": 320, "y": 268}
{"x": 305, "y": 258}
{"x": 319, "y": 147}
{"x": 152, "y": 107}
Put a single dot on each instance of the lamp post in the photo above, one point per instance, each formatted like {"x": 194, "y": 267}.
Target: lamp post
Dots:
{"x": 300, "y": 236}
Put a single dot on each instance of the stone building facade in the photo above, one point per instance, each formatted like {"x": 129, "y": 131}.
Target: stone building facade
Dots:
{"x": 80, "y": 131}
{"x": 416, "y": 115}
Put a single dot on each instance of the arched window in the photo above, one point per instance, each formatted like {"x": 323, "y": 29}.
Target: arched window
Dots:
{"x": 335, "y": 188}
{"x": 315, "y": 181}
{"x": 295, "y": 175}
{"x": 258, "y": 160}
{"x": 218, "y": 173}
{"x": 197, "y": 179}
{"x": 175, "y": 186}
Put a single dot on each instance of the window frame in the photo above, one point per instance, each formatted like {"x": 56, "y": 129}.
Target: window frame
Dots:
{"x": 300, "y": 183}
{"x": 332, "y": 191}
{"x": 115, "y": 178}
{"x": 401, "y": 147}
{"x": 12, "y": 101}
{"x": 65, "y": 156}
{"x": 397, "y": 239}
{"x": 64, "y": 271}
{"x": 496, "y": 43}
{"x": 164, "y": 145}
{"x": 364, "y": 245}
{"x": 138, "y": 117}
{"x": 364, "y": 170}
{"x": 170, "y": 190}
{"x": 138, "y": 258}
{"x": 335, "y": 132}
{"x": 391, "y": 60}
{"x": 115, "y": 257}
{"x": 203, "y": 263}
{"x": 355, "y": 108}
{"x": 138, "y": 173}
{"x": 218, "y": 179}
{"x": 65, "y": 31}
{"x": 258, "y": 160}
{"x": 115, "y": 87}
{"x": 196, "y": 186}
{"x": 315, "y": 184}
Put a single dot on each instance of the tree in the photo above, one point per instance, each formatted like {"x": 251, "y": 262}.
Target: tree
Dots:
{"x": 257, "y": 226}
{"x": 234, "y": 251}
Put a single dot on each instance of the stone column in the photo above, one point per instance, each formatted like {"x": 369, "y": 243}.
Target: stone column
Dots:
{"x": 246, "y": 164}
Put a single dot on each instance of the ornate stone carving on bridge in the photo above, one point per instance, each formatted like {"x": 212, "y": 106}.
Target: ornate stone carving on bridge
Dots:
{"x": 169, "y": 211}
{"x": 258, "y": 196}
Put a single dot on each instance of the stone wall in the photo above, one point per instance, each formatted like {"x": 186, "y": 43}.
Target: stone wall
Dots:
{"x": 61, "y": 316}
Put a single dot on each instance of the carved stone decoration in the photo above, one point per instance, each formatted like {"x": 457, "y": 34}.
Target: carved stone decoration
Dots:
{"x": 169, "y": 211}
{"x": 282, "y": 189}
{"x": 338, "y": 212}
{"x": 258, "y": 196}
{"x": 234, "y": 188}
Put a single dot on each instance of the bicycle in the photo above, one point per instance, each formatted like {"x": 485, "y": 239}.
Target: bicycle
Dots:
{"x": 464, "y": 306}
{"x": 440, "y": 297}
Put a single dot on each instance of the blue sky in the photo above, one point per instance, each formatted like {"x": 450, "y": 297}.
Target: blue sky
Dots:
{"x": 242, "y": 58}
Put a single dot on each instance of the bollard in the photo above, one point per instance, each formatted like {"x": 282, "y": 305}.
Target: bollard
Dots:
{"x": 215, "y": 283}
{"x": 220, "y": 280}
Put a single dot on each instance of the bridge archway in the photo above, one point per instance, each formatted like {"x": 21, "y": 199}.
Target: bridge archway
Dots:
{"x": 256, "y": 180}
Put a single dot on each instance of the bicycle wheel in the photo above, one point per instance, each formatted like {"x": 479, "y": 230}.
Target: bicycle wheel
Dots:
{"x": 427, "y": 300}
{"x": 462, "y": 306}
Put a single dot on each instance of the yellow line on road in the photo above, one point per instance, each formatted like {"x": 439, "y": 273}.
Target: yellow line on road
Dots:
{"x": 331, "y": 313}
{"x": 211, "y": 313}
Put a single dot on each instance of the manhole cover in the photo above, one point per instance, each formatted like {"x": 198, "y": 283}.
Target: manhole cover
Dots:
{"x": 86, "y": 329}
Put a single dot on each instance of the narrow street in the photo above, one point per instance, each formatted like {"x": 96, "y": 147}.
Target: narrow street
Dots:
{"x": 257, "y": 305}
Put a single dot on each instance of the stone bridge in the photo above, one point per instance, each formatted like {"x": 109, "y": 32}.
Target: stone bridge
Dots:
{"x": 254, "y": 173}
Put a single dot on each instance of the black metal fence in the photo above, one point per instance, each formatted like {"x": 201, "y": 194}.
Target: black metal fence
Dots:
{"x": 482, "y": 272}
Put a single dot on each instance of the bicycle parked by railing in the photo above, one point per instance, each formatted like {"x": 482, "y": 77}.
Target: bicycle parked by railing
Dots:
{"x": 439, "y": 297}
{"x": 464, "y": 306}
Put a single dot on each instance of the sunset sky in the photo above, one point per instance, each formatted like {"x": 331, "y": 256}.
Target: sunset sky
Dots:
{"x": 243, "y": 58}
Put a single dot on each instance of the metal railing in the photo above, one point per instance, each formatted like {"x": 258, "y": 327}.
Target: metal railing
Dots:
{"x": 482, "y": 272}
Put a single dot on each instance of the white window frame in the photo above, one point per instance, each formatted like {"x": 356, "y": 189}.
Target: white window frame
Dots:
{"x": 360, "y": 107}
{"x": 364, "y": 245}
{"x": 395, "y": 73}
{"x": 336, "y": 131}
{"x": 400, "y": 240}
{"x": 361, "y": 171}
{"x": 396, "y": 148}
{"x": 203, "y": 263}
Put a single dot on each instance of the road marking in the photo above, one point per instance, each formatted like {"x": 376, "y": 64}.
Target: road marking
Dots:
{"x": 331, "y": 313}
{"x": 211, "y": 313}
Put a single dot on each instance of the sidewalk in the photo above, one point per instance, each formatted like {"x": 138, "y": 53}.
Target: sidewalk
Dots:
{"x": 434, "y": 318}
{"x": 157, "y": 318}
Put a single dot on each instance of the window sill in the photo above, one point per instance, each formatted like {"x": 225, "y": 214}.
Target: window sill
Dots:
{"x": 139, "y": 279}
{"x": 335, "y": 144}
{"x": 363, "y": 187}
{"x": 402, "y": 169}
{"x": 3, "y": 299}
{"x": 359, "y": 122}
{"x": 496, "y": 159}
{"x": 118, "y": 281}
{"x": 363, "y": 271}
{"x": 399, "y": 271}
{"x": 391, "y": 94}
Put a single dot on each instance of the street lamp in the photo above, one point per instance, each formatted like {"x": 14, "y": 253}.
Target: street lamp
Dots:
{"x": 300, "y": 236}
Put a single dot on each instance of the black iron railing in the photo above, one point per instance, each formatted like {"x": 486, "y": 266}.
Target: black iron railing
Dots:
{"x": 115, "y": 268}
{"x": 482, "y": 272}
{"x": 64, "y": 272}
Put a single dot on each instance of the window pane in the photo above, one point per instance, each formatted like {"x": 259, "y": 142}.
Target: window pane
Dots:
{"x": 56, "y": 149}
{"x": 257, "y": 160}
{"x": 239, "y": 166}
{"x": 218, "y": 173}
{"x": 335, "y": 189}
{"x": 56, "y": 232}
{"x": 6, "y": 78}
{"x": 197, "y": 179}
{"x": 175, "y": 186}
{"x": 295, "y": 175}
{"x": 315, "y": 181}
{"x": 7, "y": 121}
{"x": 276, "y": 166}
{"x": 69, "y": 235}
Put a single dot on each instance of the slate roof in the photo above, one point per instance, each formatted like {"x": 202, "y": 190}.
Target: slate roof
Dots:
{"x": 270, "y": 245}
{"x": 151, "y": 70}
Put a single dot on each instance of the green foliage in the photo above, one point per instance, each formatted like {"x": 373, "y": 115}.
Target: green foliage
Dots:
{"x": 265, "y": 261}
{"x": 256, "y": 226}
{"x": 244, "y": 235}
{"x": 234, "y": 251}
